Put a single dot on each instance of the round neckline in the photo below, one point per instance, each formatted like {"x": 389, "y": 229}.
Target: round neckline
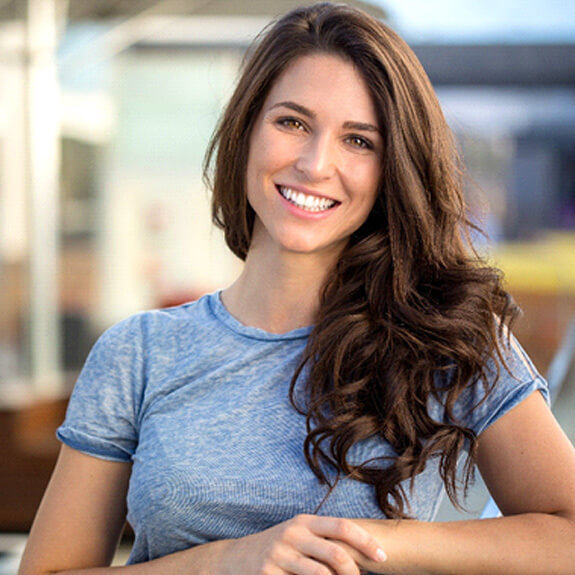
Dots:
{"x": 221, "y": 312}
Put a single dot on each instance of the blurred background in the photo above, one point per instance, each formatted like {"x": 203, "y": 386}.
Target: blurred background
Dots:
{"x": 106, "y": 107}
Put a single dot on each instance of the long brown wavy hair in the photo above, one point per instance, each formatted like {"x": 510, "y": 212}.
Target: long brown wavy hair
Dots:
{"x": 409, "y": 299}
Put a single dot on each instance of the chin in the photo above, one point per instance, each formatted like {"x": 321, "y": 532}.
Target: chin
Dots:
{"x": 311, "y": 248}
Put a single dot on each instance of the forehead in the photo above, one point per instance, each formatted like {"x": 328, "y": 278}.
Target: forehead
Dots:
{"x": 325, "y": 83}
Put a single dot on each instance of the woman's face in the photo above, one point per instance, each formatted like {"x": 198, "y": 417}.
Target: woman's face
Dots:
{"x": 315, "y": 158}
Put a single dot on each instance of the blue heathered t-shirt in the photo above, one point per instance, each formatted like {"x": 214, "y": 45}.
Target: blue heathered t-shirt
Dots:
{"x": 199, "y": 404}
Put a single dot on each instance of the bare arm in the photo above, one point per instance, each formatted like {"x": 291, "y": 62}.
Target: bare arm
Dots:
{"x": 529, "y": 466}
{"x": 82, "y": 515}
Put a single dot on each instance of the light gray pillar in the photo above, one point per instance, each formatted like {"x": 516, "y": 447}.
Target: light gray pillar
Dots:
{"x": 42, "y": 120}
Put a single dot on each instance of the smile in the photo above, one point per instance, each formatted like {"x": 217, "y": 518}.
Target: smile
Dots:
{"x": 305, "y": 201}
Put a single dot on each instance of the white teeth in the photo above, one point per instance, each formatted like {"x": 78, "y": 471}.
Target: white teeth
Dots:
{"x": 305, "y": 202}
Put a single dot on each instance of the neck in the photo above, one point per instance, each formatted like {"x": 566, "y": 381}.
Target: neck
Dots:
{"x": 277, "y": 294}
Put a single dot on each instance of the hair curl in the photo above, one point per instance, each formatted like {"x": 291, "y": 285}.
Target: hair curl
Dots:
{"x": 408, "y": 299}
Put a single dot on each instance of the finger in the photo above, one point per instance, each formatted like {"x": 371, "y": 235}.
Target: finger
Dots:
{"x": 302, "y": 565}
{"x": 346, "y": 531}
{"x": 331, "y": 554}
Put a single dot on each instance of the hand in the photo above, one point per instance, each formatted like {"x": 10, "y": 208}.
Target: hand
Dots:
{"x": 304, "y": 545}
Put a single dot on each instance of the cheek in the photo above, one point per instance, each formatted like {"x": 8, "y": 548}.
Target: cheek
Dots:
{"x": 257, "y": 174}
{"x": 257, "y": 161}
{"x": 373, "y": 176}
{"x": 273, "y": 151}
{"x": 369, "y": 190}
{"x": 254, "y": 165}
{"x": 251, "y": 184}
{"x": 364, "y": 179}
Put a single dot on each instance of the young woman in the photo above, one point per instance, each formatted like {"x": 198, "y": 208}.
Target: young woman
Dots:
{"x": 306, "y": 419}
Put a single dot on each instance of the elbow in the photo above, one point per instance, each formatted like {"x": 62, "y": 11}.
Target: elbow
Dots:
{"x": 30, "y": 567}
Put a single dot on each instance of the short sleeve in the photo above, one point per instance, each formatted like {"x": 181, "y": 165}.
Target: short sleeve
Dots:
{"x": 509, "y": 383}
{"x": 102, "y": 415}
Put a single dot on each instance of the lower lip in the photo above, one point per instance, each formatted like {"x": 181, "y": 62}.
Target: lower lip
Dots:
{"x": 301, "y": 213}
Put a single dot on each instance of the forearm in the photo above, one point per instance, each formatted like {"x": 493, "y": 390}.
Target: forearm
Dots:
{"x": 523, "y": 544}
{"x": 305, "y": 544}
{"x": 199, "y": 560}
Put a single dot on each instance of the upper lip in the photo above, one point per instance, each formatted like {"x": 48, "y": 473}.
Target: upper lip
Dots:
{"x": 307, "y": 192}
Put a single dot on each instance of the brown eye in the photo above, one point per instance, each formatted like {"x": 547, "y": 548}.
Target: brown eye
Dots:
{"x": 360, "y": 142}
{"x": 291, "y": 123}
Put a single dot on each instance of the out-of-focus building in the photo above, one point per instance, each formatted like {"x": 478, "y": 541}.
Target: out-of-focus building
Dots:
{"x": 512, "y": 107}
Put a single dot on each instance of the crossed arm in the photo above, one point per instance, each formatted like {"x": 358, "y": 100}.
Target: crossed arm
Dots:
{"x": 526, "y": 461}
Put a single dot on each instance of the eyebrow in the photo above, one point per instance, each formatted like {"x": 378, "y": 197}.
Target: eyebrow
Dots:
{"x": 295, "y": 107}
{"x": 362, "y": 126}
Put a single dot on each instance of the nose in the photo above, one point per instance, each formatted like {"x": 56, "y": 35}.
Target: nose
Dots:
{"x": 317, "y": 159}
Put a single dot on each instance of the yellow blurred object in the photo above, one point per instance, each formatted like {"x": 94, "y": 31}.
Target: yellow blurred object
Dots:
{"x": 544, "y": 266}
